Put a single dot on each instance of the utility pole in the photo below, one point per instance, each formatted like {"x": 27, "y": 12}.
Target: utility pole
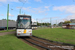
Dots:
{"x": 50, "y": 22}
{"x": 36, "y": 20}
{"x": 56, "y": 23}
{"x": 24, "y": 13}
{"x": 41, "y": 23}
{"x": 7, "y": 16}
{"x": 20, "y": 11}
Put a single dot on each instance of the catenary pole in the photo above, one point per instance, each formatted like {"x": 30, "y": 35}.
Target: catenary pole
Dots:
{"x": 20, "y": 11}
{"x": 7, "y": 16}
{"x": 50, "y": 22}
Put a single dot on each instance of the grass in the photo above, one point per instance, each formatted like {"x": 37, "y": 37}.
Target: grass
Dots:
{"x": 10, "y": 42}
{"x": 6, "y": 31}
{"x": 56, "y": 34}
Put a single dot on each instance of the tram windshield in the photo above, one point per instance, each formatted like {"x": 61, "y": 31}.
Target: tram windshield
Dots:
{"x": 24, "y": 22}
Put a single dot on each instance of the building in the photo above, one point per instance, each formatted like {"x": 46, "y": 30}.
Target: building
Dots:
{"x": 64, "y": 26}
{"x": 61, "y": 23}
{"x": 70, "y": 26}
{"x": 72, "y": 20}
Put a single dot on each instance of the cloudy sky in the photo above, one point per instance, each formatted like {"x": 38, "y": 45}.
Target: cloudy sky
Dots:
{"x": 40, "y": 10}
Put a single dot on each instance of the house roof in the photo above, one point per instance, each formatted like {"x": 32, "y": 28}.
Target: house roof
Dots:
{"x": 72, "y": 23}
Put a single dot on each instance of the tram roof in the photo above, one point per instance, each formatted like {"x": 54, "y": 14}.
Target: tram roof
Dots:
{"x": 22, "y": 15}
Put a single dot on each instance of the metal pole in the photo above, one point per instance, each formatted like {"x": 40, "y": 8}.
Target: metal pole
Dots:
{"x": 7, "y": 16}
{"x": 2, "y": 23}
{"x": 36, "y": 20}
{"x": 50, "y": 21}
{"x": 41, "y": 23}
{"x": 24, "y": 13}
{"x": 20, "y": 11}
{"x": 56, "y": 23}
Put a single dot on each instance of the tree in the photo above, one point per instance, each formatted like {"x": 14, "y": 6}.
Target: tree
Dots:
{"x": 67, "y": 22}
{"x": 3, "y": 19}
{"x": 8, "y": 19}
{"x": 38, "y": 24}
{"x": 48, "y": 24}
{"x": 42, "y": 23}
{"x": 45, "y": 24}
{"x": 54, "y": 24}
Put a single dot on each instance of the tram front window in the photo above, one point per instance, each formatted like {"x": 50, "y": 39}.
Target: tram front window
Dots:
{"x": 24, "y": 22}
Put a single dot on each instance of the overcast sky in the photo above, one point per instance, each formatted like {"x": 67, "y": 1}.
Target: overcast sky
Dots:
{"x": 40, "y": 10}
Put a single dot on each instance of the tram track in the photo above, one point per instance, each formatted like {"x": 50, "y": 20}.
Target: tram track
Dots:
{"x": 39, "y": 45}
{"x": 46, "y": 44}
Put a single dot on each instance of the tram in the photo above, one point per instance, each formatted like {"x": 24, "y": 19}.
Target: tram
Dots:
{"x": 23, "y": 27}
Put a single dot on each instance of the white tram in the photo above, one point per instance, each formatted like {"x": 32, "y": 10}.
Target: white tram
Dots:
{"x": 24, "y": 26}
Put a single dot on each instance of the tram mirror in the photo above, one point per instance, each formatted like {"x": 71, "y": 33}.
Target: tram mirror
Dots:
{"x": 31, "y": 22}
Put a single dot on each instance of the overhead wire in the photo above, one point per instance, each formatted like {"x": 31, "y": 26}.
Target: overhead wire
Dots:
{"x": 10, "y": 8}
{"x": 4, "y": 5}
{"x": 14, "y": 9}
{"x": 23, "y": 4}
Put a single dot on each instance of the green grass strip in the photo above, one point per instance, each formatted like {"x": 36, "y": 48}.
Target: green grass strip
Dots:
{"x": 11, "y": 42}
{"x": 6, "y": 31}
{"x": 56, "y": 34}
